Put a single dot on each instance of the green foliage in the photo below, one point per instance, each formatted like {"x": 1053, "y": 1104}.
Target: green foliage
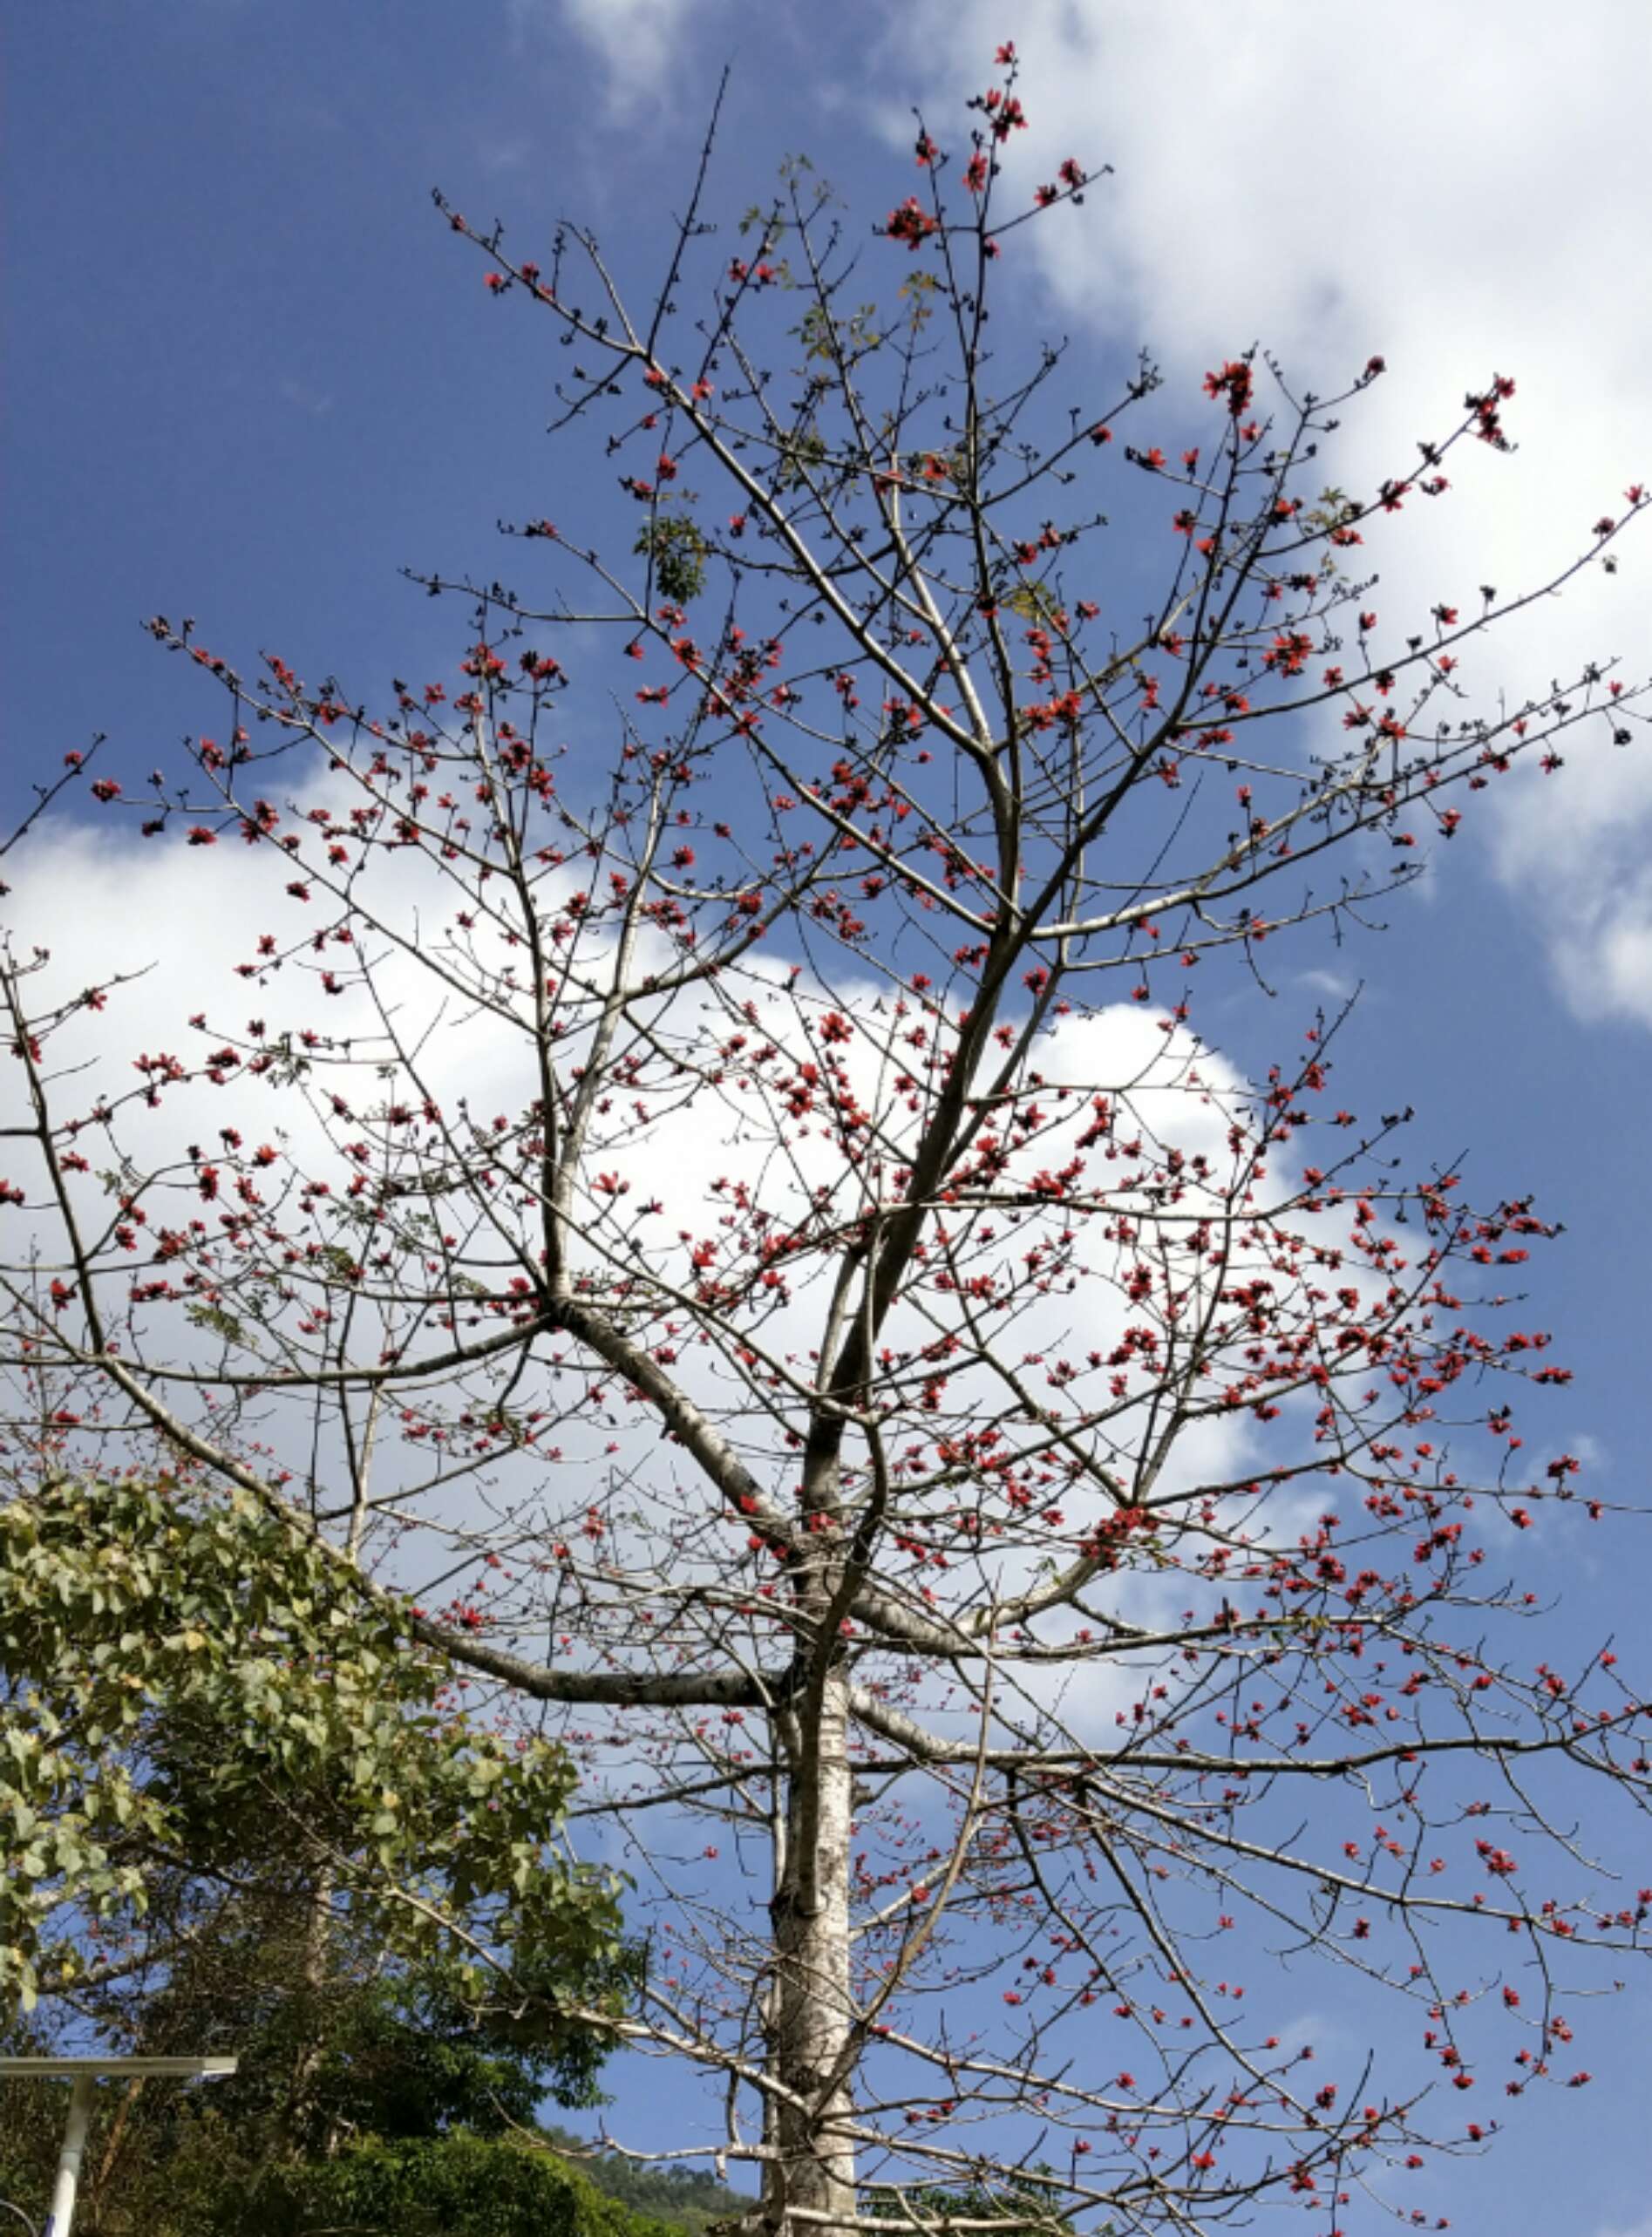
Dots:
{"x": 678, "y": 550}
{"x": 1033, "y": 601}
{"x": 333, "y": 2044}
{"x": 1019, "y": 2207}
{"x": 240, "y": 1810}
{"x": 194, "y": 1693}
{"x": 188, "y": 2165}
{"x": 459, "y": 2185}
{"x": 360, "y": 2105}
{"x": 836, "y": 340}
{"x": 686, "y": 2197}
{"x": 1334, "y": 517}
{"x": 797, "y": 456}
{"x": 32, "y": 2116}
{"x": 919, "y": 291}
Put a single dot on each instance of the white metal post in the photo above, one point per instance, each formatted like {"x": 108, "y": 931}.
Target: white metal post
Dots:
{"x": 84, "y": 2073}
{"x": 60, "y": 2220}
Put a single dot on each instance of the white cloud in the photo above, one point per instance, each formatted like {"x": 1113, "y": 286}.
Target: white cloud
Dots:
{"x": 638, "y": 42}
{"x": 186, "y": 917}
{"x": 498, "y": 157}
{"x": 1461, "y": 190}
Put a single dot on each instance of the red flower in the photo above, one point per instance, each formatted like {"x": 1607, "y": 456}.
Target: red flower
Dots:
{"x": 911, "y": 223}
{"x": 1237, "y": 381}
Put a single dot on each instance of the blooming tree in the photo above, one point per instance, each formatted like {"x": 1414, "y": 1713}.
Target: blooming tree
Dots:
{"x": 727, "y": 1228}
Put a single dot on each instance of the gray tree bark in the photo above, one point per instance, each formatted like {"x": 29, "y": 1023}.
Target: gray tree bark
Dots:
{"x": 811, "y": 2006}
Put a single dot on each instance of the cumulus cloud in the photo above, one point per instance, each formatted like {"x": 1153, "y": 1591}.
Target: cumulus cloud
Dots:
{"x": 638, "y": 42}
{"x": 184, "y": 918}
{"x": 1462, "y": 191}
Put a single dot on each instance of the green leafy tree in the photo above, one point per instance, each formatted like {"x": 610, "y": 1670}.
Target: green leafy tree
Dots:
{"x": 197, "y": 1699}
{"x": 239, "y": 1811}
{"x": 677, "y": 551}
{"x": 1017, "y": 2206}
{"x": 460, "y": 2187}
{"x": 686, "y": 2197}
{"x": 364, "y": 2098}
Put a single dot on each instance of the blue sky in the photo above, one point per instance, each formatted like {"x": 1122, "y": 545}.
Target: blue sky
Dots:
{"x": 248, "y": 375}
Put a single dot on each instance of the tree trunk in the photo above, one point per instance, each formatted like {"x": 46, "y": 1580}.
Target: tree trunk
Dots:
{"x": 300, "y": 2121}
{"x": 811, "y": 2006}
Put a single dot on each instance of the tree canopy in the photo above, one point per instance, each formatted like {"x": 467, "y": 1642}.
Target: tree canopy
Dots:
{"x": 199, "y": 1700}
{"x": 244, "y": 1812}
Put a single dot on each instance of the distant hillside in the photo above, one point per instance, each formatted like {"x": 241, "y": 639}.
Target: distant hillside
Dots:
{"x": 687, "y": 2198}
